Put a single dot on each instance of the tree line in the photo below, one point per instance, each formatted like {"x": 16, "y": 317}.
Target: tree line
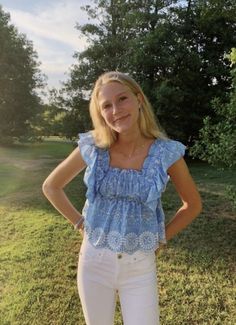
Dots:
{"x": 176, "y": 50}
{"x": 19, "y": 78}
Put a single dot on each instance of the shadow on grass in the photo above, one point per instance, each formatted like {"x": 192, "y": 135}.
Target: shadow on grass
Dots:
{"x": 207, "y": 241}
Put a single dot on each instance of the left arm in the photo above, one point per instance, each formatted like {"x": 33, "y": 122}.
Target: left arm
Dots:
{"x": 188, "y": 193}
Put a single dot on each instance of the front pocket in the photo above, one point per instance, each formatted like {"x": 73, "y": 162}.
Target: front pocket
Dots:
{"x": 140, "y": 256}
{"x": 90, "y": 254}
{"x": 142, "y": 264}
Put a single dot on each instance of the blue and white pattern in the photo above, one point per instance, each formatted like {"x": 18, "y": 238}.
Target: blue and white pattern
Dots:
{"x": 123, "y": 210}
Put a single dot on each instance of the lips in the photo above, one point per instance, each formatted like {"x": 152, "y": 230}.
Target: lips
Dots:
{"x": 120, "y": 118}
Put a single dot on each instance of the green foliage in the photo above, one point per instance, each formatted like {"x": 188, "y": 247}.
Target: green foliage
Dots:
{"x": 70, "y": 114}
{"x": 201, "y": 32}
{"x": 19, "y": 78}
{"x": 51, "y": 121}
{"x": 232, "y": 56}
{"x": 217, "y": 138}
{"x": 174, "y": 49}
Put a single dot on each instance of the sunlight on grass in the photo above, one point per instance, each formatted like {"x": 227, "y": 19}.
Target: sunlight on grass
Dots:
{"x": 39, "y": 248}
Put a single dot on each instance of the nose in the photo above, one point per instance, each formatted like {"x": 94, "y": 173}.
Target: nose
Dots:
{"x": 115, "y": 108}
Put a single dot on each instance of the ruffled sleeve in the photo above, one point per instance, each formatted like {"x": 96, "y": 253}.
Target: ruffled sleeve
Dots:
{"x": 87, "y": 147}
{"x": 174, "y": 150}
{"x": 171, "y": 152}
{"x": 89, "y": 154}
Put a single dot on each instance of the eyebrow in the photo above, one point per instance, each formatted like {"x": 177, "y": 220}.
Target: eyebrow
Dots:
{"x": 107, "y": 101}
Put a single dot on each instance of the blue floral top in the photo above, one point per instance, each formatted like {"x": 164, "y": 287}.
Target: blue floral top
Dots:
{"x": 123, "y": 210}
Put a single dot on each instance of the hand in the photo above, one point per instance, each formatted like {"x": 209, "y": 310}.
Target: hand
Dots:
{"x": 160, "y": 248}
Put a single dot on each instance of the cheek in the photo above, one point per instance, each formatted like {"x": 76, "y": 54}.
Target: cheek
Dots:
{"x": 135, "y": 110}
{"x": 134, "y": 106}
{"x": 106, "y": 116}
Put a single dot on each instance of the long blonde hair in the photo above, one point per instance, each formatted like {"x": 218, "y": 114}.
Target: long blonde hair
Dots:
{"x": 103, "y": 135}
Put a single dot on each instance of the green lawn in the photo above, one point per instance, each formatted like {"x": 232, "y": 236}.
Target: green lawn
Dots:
{"x": 39, "y": 248}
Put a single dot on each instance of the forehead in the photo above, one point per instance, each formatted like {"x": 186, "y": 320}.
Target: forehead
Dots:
{"x": 111, "y": 90}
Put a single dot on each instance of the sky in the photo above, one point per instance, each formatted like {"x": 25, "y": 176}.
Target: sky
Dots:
{"x": 51, "y": 26}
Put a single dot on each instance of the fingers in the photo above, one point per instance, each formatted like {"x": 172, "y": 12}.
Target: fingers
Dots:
{"x": 160, "y": 248}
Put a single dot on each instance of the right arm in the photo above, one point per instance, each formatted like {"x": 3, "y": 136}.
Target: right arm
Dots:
{"x": 58, "y": 179}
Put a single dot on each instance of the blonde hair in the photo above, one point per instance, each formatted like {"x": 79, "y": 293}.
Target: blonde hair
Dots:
{"x": 103, "y": 135}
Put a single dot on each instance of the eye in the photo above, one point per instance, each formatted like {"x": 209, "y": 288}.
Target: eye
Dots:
{"x": 106, "y": 106}
{"x": 122, "y": 98}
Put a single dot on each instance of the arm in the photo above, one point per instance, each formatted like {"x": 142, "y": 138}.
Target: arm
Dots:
{"x": 189, "y": 195}
{"x": 58, "y": 179}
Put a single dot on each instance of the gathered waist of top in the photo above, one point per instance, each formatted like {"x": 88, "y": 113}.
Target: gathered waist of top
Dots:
{"x": 119, "y": 197}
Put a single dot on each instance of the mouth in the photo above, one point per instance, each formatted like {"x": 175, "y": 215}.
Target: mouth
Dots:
{"x": 120, "y": 118}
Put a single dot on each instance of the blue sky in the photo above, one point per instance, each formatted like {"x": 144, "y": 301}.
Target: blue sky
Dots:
{"x": 51, "y": 27}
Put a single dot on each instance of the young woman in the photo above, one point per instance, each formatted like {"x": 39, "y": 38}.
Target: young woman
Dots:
{"x": 129, "y": 161}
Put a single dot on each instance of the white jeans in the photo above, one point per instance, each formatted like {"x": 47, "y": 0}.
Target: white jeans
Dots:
{"x": 102, "y": 273}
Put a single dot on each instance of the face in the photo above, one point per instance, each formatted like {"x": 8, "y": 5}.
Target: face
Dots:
{"x": 119, "y": 107}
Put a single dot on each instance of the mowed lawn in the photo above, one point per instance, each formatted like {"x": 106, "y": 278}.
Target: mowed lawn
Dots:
{"x": 39, "y": 248}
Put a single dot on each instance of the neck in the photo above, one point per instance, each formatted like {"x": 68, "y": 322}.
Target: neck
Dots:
{"x": 130, "y": 142}
{"x": 129, "y": 138}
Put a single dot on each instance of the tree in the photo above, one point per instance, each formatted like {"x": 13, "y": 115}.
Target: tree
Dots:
{"x": 217, "y": 138}
{"x": 66, "y": 115}
{"x": 112, "y": 44}
{"x": 19, "y": 79}
{"x": 175, "y": 50}
{"x": 201, "y": 33}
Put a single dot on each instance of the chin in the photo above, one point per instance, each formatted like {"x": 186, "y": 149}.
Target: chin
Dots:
{"x": 121, "y": 127}
{"x": 122, "y": 130}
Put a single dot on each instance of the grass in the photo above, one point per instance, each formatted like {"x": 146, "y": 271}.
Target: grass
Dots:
{"x": 39, "y": 249}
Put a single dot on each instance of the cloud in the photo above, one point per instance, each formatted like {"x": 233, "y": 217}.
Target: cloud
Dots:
{"x": 51, "y": 27}
{"x": 56, "y": 22}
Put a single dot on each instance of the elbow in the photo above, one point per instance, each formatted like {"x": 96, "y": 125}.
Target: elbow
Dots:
{"x": 47, "y": 189}
{"x": 194, "y": 207}
{"x": 197, "y": 207}
{"x": 50, "y": 190}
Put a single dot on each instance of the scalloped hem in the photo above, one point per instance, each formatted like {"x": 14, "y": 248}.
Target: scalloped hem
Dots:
{"x": 147, "y": 242}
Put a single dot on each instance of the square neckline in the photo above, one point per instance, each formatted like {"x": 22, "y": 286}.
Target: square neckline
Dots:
{"x": 146, "y": 159}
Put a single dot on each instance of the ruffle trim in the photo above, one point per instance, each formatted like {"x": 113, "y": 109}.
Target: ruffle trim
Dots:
{"x": 130, "y": 243}
{"x": 89, "y": 153}
{"x": 162, "y": 154}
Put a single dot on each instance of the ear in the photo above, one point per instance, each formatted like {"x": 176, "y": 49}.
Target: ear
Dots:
{"x": 140, "y": 98}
